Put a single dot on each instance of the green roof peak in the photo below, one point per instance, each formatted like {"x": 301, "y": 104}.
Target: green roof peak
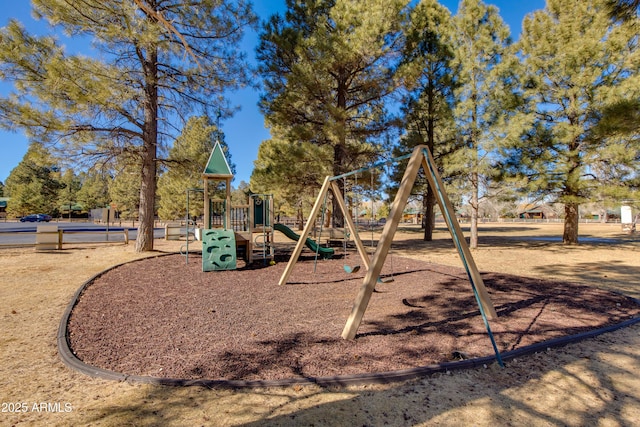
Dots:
{"x": 217, "y": 164}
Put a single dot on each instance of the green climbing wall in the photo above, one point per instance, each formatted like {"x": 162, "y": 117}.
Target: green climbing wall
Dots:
{"x": 218, "y": 250}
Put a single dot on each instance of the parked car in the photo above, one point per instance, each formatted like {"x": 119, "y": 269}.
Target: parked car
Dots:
{"x": 36, "y": 218}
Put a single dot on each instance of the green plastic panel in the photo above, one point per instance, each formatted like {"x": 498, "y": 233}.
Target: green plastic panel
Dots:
{"x": 218, "y": 250}
{"x": 261, "y": 212}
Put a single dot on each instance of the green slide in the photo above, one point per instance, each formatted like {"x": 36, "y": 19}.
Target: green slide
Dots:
{"x": 325, "y": 253}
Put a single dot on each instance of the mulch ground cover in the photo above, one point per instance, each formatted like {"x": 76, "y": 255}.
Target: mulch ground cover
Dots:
{"x": 162, "y": 317}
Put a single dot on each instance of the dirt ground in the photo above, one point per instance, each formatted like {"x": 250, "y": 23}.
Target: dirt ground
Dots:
{"x": 594, "y": 382}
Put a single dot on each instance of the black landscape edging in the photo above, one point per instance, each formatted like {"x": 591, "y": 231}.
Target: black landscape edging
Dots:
{"x": 70, "y": 359}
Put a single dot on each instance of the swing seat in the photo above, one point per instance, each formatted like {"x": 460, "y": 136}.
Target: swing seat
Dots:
{"x": 385, "y": 279}
{"x": 350, "y": 269}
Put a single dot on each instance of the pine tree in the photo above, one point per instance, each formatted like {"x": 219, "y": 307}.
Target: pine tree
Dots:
{"x": 187, "y": 159}
{"x": 328, "y": 69}
{"x": 124, "y": 191}
{"x": 94, "y": 191}
{"x": 292, "y": 173}
{"x": 68, "y": 195}
{"x": 481, "y": 42}
{"x": 577, "y": 62}
{"x": 160, "y": 61}
{"x": 34, "y": 184}
{"x": 428, "y": 105}
{"x": 240, "y": 194}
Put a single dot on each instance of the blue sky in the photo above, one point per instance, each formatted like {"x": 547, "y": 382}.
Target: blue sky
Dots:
{"x": 245, "y": 131}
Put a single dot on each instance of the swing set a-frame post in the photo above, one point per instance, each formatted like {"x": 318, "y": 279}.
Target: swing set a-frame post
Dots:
{"x": 420, "y": 157}
{"x": 329, "y": 184}
{"x": 460, "y": 242}
{"x": 307, "y": 230}
{"x": 375, "y": 268}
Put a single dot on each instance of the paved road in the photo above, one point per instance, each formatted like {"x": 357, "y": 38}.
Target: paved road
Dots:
{"x": 23, "y": 233}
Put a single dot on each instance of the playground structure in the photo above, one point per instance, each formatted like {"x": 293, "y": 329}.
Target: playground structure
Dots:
{"x": 421, "y": 156}
{"x": 252, "y": 225}
{"x": 228, "y": 229}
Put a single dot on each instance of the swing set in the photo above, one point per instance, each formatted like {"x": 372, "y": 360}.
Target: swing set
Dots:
{"x": 347, "y": 268}
{"x": 421, "y": 156}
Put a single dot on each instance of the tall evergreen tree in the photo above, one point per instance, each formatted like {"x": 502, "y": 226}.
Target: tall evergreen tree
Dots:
{"x": 68, "y": 195}
{"x": 428, "y": 105}
{"x": 577, "y": 62}
{"x": 34, "y": 184}
{"x": 94, "y": 192}
{"x": 160, "y": 60}
{"x": 481, "y": 42}
{"x": 328, "y": 69}
{"x": 240, "y": 194}
{"x": 124, "y": 190}
{"x": 187, "y": 159}
{"x": 292, "y": 173}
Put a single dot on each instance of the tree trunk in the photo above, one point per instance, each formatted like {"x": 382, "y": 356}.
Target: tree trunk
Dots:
{"x": 429, "y": 218}
{"x": 340, "y": 147}
{"x": 144, "y": 240}
{"x": 429, "y": 213}
{"x": 475, "y": 174}
{"x": 300, "y": 218}
{"x": 570, "y": 235}
{"x": 571, "y": 213}
{"x": 473, "y": 241}
{"x": 337, "y": 217}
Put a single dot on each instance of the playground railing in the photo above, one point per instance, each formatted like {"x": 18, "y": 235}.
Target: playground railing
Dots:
{"x": 240, "y": 218}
